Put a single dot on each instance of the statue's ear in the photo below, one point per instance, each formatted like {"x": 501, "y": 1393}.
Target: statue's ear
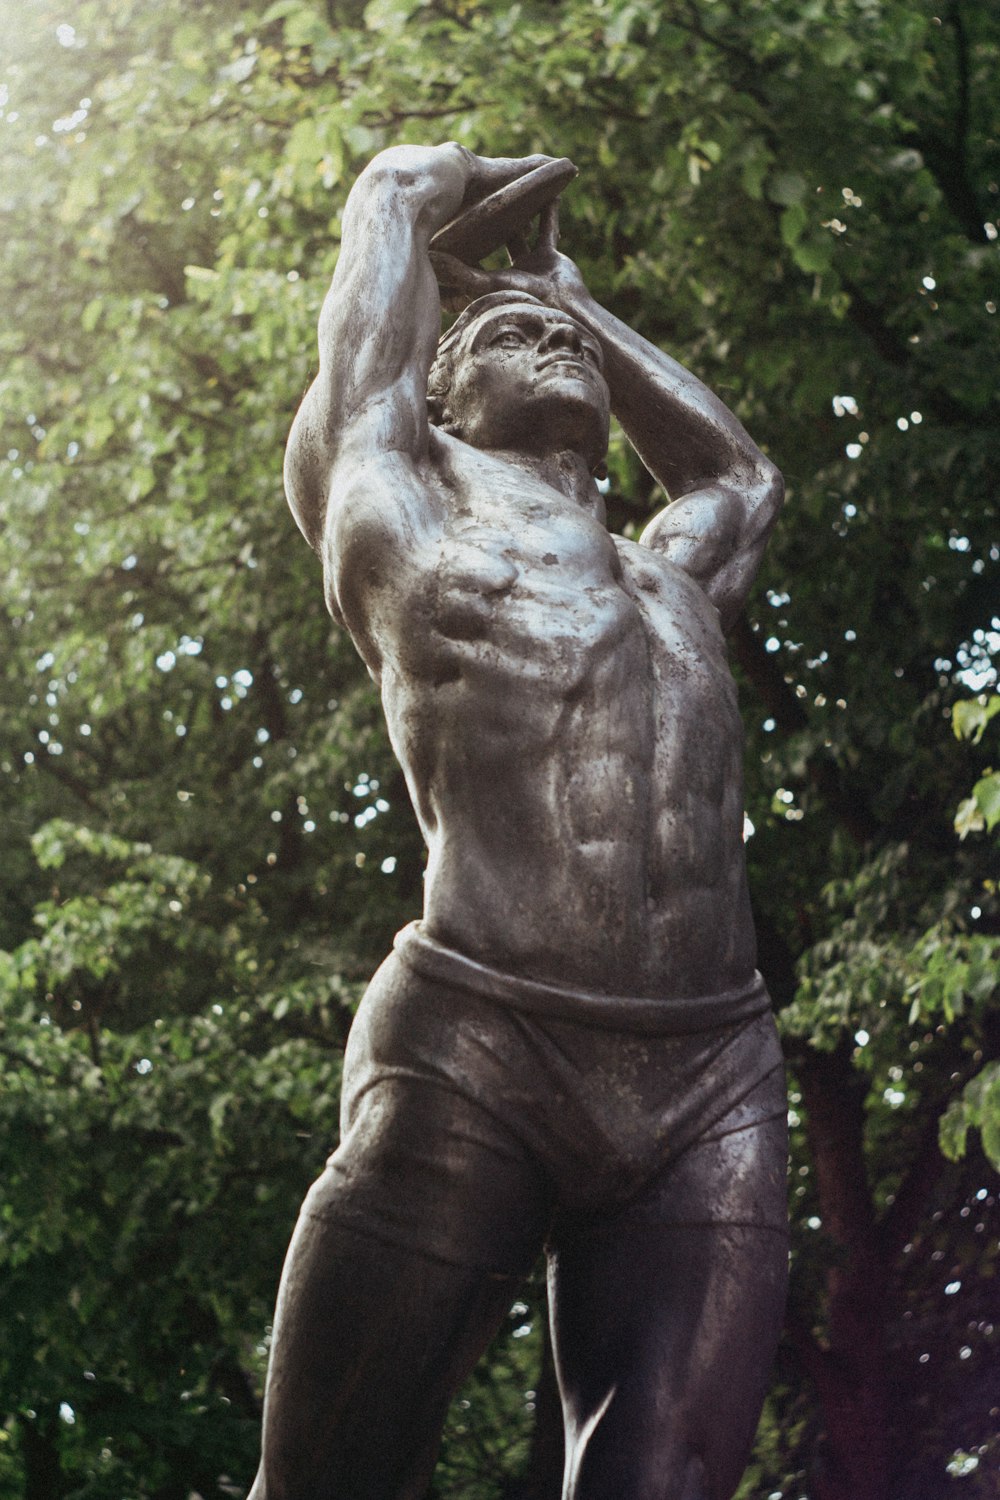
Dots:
{"x": 440, "y": 417}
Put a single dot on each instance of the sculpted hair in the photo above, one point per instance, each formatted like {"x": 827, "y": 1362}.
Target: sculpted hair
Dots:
{"x": 441, "y": 371}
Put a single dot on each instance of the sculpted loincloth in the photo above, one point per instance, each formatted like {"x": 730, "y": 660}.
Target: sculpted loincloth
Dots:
{"x": 483, "y": 1115}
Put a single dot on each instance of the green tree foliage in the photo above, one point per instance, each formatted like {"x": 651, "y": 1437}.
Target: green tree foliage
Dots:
{"x": 208, "y": 844}
{"x": 982, "y": 809}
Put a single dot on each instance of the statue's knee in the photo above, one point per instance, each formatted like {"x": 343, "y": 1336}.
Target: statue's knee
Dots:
{"x": 695, "y": 1485}
{"x": 606, "y": 1459}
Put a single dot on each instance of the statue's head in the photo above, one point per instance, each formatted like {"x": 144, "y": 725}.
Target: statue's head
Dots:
{"x": 512, "y": 373}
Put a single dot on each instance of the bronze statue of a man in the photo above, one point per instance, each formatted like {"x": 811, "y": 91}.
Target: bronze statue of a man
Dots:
{"x": 572, "y": 1049}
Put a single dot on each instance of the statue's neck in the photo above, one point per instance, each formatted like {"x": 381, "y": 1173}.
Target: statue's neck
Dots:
{"x": 566, "y": 472}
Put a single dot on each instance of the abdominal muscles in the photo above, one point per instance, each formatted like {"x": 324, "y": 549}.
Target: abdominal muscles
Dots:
{"x": 573, "y": 755}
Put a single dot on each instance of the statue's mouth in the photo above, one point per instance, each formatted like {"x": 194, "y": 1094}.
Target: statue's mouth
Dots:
{"x": 566, "y": 362}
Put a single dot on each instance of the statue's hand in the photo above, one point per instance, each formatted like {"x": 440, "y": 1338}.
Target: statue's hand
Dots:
{"x": 540, "y": 271}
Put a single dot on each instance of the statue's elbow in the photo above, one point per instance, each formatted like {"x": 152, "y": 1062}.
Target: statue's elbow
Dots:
{"x": 390, "y": 171}
{"x": 301, "y": 492}
{"x": 772, "y": 486}
{"x": 410, "y": 174}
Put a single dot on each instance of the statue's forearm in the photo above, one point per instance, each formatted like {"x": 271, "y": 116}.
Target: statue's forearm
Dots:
{"x": 685, "y": 435}
{"x": 380, "y": 319}
{"x": 398, "y": 202}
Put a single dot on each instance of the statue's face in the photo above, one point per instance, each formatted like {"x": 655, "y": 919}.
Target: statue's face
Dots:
{"x": 530, "y": 379}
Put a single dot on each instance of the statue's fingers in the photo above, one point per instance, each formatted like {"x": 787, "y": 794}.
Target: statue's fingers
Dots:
{"x": 455, "y": 302}
{"x": 548, "y": 237}
{"x": 494, "y": 172}
{"x": 504, "y": 169}
{"x": 454, "y": 275}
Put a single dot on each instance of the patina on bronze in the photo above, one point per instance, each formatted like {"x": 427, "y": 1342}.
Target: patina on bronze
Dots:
{"x": 572, "y": 1047}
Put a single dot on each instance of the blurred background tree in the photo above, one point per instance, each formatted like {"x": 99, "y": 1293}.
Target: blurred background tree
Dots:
{"x": 208, "y": 843}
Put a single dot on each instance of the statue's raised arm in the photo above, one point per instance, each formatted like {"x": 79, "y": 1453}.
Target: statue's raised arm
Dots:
{"x": 378, "y": 330}
{"x": 725, "y": 493}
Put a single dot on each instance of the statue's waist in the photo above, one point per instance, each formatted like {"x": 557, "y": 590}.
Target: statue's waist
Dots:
{"x": 556, "y": 1002}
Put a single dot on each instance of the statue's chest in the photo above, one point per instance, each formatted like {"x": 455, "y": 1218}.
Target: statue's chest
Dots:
{"x": 527, "y": 589}
{"x": 542, "y": 536}
{"x": 686, "y": 645}
{"x": 519, "y": 559}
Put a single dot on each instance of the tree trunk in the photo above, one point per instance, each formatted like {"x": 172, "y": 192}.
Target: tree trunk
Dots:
{"x": 850, "y": 1377}
{"x": 850, "y": 1368}
{"x": 43, "y": 1478}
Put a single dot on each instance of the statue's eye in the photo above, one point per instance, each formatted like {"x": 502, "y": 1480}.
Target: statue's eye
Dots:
{"x": 509, "y": 338}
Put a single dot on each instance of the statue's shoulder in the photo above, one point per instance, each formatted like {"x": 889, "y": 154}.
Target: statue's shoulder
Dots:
{"x": 385, "y": 511}
{"x": 657, "y": 581}
{"x": 642, "y": 567}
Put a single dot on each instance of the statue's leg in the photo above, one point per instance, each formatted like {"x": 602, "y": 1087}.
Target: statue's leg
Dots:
{"x": 370, "y": 1344}
{"x": 665, "y": 1331}
{"x": 407, "y": 1253}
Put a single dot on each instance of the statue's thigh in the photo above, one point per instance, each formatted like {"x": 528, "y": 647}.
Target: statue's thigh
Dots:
{"x": 406, "y": 1258}
{"x": 665, "y": 1333}
{"x": 371, "y": 1341}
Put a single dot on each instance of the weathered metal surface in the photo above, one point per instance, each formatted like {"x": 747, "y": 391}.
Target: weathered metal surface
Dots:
{"x": 572, "y": 1048}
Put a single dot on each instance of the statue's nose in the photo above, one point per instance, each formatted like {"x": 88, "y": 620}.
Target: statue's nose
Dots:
{"x": 561, "y": 336}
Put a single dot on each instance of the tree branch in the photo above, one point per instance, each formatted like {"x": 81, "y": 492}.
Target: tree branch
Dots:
{"x": 833, "y": 1095}
{"x": 65, "y": 778}
{"x": 900, "y": 1220}
{"x": 21, "y": 1061}
{"x": 947, "y": 157}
